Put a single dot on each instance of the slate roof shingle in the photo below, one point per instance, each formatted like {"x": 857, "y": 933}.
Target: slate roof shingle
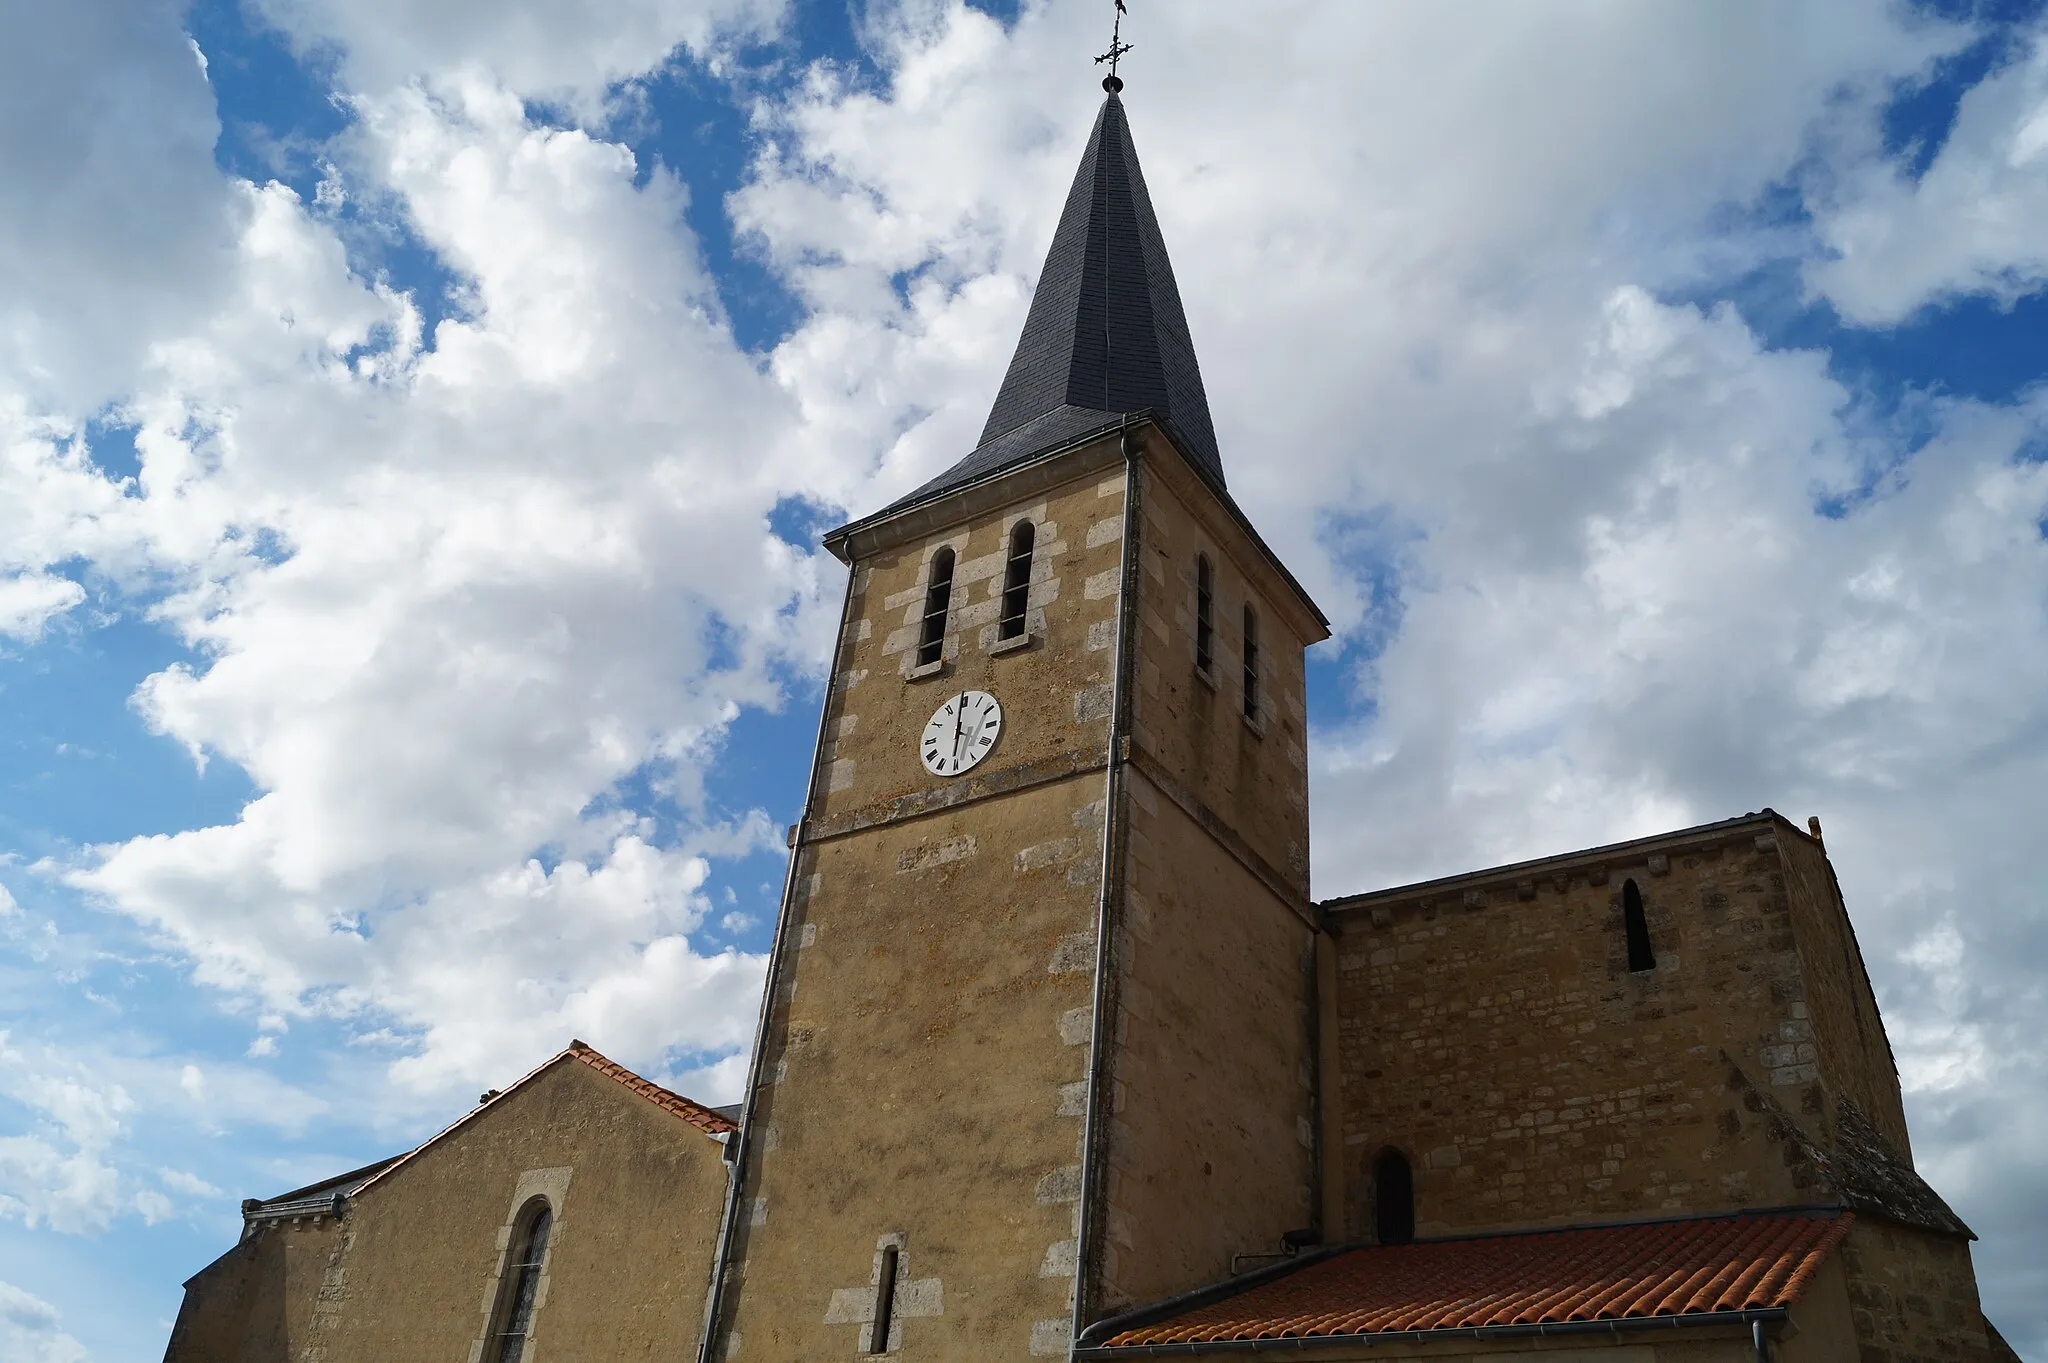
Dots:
{"x": 1106, "y": 335}
{"x": 1747, "y": 1262}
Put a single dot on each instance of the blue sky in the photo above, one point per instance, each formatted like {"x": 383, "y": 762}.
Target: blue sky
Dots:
{"x": 415, "y": 428}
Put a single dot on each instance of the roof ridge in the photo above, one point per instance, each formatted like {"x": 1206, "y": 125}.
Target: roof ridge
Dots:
{"x": 675, "y": 1103}
{"x": 705, "y": 1118}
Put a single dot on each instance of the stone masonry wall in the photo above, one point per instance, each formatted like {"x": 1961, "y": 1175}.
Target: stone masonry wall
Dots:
{"x": 928, "y": 1041}
{"x": 1856, "y": 1061}
{"x": 1252, "y": 778}
{"x": 636, "y": 1194}
{"x": 1492, "y": 1032}
{"x": 1212, "y": 1146}
{"x": 1056, "y": 690}
{"x": 255, "y": 1303}
{"x": 1913, "y": 1296}
{"x": 925, "y": 1086}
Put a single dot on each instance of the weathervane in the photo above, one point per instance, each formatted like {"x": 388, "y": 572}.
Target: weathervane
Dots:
{"x": 1117, "y": 48}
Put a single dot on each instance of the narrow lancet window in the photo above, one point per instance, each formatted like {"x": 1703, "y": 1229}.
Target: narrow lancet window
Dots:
{"x": 522, "y": 1284}
{"x": 1251, "y": 664}
{"x": 1205, "y": 614}
{"x": 1017, "y": 580}
{"x": 938, "y": 601}
{"x": 1393, "y": 1186}
{"x": 1637, "y": 927}
{"x": 885, "y": 1301}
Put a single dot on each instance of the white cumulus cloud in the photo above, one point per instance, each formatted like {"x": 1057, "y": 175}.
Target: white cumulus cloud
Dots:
{"x": 1603, "y": 561}
{"x": 1975, "y": 222}
{"x": 30, "y": 1330}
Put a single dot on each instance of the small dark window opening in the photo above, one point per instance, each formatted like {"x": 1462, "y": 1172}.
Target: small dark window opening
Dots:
{"x": 522, "y": 1285}
{"x": 1251, "y": 664}
{"x": 885, "y": 1302}
{"x": 938, "y": 602}
{"x": 1633, "y": 923}
{"x": 1017, "y": 580}
{"x": 1393, "y": 1199}
{"x": 1205, "y": 613}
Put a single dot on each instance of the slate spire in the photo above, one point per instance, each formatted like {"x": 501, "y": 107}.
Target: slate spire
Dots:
{"x": 1106, "y": 334}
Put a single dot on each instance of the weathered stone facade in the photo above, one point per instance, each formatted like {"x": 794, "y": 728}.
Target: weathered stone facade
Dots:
{"x": 1492, "y": 1031}
{"x": 410, "y": 1265}
{"x": 950, "y": 926}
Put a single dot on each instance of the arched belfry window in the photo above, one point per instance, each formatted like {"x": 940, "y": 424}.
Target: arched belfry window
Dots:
{"x": 1017, "y": 580}
{"x": 938, "y": 601}
{"x": 1637, "y": 928}
{"x": 1393, "y": 1203}
{"x": 520, "y": 1283}
{"x": 1205, "y": 613}
{"x": 1251, "y": 663}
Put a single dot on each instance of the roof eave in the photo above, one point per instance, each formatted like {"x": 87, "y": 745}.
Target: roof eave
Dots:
{"x": 1625, "y": 1325}
{"x": 842, "y": 541}
{"x": 839, "y": 540}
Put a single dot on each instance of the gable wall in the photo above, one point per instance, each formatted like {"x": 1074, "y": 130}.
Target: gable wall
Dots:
{"x": 637, "y": 1194}
{"x": 1851, "y": 1053}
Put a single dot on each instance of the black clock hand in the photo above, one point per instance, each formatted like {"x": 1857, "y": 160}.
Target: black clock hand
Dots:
{"x": 959, "y": 727}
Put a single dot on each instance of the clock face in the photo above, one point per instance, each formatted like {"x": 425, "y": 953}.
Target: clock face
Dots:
{"x": 963, "y": 732}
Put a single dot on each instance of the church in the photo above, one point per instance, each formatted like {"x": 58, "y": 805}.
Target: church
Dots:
{"x": 1059, "y": 1057}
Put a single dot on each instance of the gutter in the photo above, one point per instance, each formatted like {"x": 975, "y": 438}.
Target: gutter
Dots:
{"x": 740, "y": 1144}
{"x": 1758, "y": 1323}
{"x": 334, "y": 1206}
{"x": 1095, "y": 1125}
{"x": 1091, "y": 1340}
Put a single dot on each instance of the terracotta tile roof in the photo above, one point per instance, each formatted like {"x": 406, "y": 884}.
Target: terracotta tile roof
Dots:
{"x": 708, "y": 1120}
{"x": 1751, "y": 1262}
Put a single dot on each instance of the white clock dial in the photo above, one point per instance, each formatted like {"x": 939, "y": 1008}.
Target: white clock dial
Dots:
{"x": 963, "y": 732}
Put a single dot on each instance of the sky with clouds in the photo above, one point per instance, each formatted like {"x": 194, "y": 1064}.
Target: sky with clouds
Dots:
{"x": 416, "y": 423}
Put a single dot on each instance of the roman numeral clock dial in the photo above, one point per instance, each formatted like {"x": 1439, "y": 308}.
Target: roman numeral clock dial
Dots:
{"x": 963, "y": 732}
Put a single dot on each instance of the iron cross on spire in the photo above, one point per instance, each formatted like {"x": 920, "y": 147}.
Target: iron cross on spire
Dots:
{"x": 1117, "y": 48}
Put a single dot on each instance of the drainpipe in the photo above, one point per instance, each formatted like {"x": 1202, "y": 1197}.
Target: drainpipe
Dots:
{"x": 743, "y": 1140}
{"x": 1095, "y": 1128}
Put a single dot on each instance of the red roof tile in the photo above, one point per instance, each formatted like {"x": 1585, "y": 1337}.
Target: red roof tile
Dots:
{"x": 1669, "y": 1268}
{"x": 705, "y": 1119}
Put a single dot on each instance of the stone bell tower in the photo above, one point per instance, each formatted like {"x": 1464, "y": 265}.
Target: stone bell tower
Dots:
{"x": 1040, "y": 1032}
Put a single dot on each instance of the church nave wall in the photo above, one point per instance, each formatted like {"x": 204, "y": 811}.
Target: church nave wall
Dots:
{"x": 1492, "y": 1032}
{"x": 634, "y": 1195}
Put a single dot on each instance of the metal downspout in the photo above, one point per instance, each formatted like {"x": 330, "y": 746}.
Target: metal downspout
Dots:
{"x": 735, "y": 1186}
{"x": 1094, "y": 1136}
